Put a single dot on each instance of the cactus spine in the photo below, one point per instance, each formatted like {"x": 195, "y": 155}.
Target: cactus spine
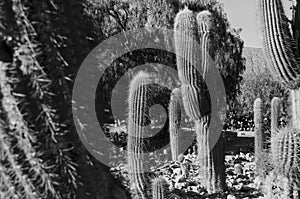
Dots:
{"x": 286, "y": 156}
{"x": 274, "y": 114}
{"x": 174, "y": 121}
{"x": 137, "y": 117}
{"x": 189, "y": 31}
{"x": 159, "y": 188}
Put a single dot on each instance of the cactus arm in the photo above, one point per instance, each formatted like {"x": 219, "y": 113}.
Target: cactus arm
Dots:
{"x": 279, "y": 46}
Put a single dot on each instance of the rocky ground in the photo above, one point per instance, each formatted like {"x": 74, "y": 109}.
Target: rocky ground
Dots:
{"x": 184, "y": 182}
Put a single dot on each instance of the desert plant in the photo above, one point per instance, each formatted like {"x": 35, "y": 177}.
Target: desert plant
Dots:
{"x": 285, "y": 147}
{"x": 190, "y": 30}
{"x": 137, "y": 119}
{"x": 39, "y": 182}
{"x": 174, "y": 121}
{"x": 281, "y": 50}
{"x": 159, "y": 188}
{"x": 259, "y": 134}
{"x": 275, "y": 105}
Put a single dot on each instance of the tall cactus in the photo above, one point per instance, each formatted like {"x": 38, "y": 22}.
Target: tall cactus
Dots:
{"x": 286, "y": 156}
{"x": 274, "y": 114}
{"x": 159, "y": 188}
{"x": 137, "y": 118}
{"x": 259, "y": 136}
{"x": 174, "y": 121}
{"x": 190, "y": 30}
{"x": 281, "y": 49}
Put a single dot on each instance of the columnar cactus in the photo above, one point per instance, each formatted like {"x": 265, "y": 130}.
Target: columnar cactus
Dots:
{"x": 159, "y": 188}
{"x": 258, "y": 123}
{"x": 137, "y": 118}
{"x": 190, "y": 30}
{"x": 274, "y": 114}
{"x": 286, "y": 156}
{"x": 174, "y": 121}
{"x": 188, "y": 59}
{"x": 259, "y": 136}
{"x": 281, "y": 50}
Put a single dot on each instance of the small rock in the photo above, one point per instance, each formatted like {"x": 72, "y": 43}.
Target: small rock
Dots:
{"x": 231, "y": 196}
{"x": 238, "y": 169}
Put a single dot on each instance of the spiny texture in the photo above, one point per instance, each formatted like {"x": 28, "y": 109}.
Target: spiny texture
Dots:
{"x": 187, "y": 53}
{"x": 286, "y": 155}
{"x": 33, "y": 178}
{"x": 174, "y": 121}
{"x": 35, "y": 82}
{"x": 159, "y": 188}
{"x": 279, "y": 45}
{"x": 137, "y": 119}
{"x": 275, "y": 105}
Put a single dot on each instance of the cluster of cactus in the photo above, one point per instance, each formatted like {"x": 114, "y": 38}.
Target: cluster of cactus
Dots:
{"x": 284, "y": 157}
{"x": 160, "y": 188}
{"x": 174, "y": 121}
{"x": 281, "y": 48}
{"x": 192, "y": 29}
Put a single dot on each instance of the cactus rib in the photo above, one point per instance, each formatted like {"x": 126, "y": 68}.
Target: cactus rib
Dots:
{"x": 279, "y": 46}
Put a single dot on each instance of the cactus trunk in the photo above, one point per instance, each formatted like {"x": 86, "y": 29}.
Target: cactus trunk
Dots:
{"x": 295, "y": 99}
{"x": 174, "y": 121}
{"x": 212, "y": 173}
{"x": 159, "y": 188}
{"x": 274, "y": 114}
{"x": 137, "y": 119}
{"x": 259, "y": 138}
{"x": 189, "y": 31}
